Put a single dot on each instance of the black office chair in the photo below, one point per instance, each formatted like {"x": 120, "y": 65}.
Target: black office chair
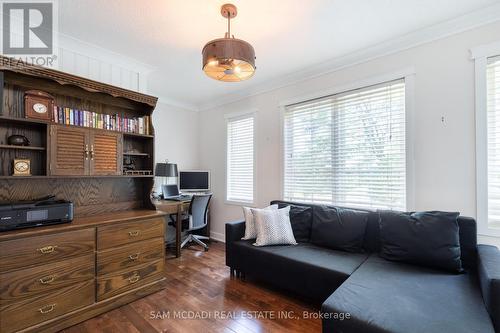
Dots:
{"x": 197, "y": 219}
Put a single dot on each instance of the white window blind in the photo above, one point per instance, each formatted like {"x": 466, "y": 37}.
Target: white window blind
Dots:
{"x": 240, "y": 159}
{"x": 493, "y": 135}
{"x": 348, "y": 149}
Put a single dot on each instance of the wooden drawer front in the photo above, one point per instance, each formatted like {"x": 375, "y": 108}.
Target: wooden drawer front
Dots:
{"x": 125, "y": 233}
{"x": 120, "y": 282}
{"x": 38, "y": 250}
{"x": 129, "y": 256}
{"x": 31, "y": 282}
{"x": 30, "y": 312}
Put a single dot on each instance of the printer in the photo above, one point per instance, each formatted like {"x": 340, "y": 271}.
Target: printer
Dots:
{"x": 36, "y": 213}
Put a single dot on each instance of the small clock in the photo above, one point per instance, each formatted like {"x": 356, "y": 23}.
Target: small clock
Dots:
{"x": 38, "y": 104}
{"x": 22, "y": 167}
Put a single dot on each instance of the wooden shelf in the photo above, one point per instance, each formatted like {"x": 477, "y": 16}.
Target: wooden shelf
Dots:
{"x": 138, "y": 135}
{"x": 21, "y": 147}
{"x": 70, "y": 177}
{"x": 136, "y": 154}
{"x": 23, "y": 120}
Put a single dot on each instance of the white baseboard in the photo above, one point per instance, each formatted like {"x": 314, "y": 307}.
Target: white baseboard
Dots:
{"x": 217, "y": 236}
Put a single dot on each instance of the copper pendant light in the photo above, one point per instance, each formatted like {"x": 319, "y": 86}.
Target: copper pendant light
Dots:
{"x": 228, "y": 59}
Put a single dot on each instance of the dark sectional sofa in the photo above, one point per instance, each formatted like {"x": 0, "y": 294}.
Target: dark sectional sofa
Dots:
{"x": 378, "y": 295}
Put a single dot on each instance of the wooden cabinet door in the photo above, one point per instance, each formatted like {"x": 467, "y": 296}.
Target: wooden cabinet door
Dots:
{"x": 105, "y": 153}
{"x": 68, "y": 151}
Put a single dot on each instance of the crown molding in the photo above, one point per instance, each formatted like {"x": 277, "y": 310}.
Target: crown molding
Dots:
{"x": 429, "y": 34}
{"x": 175, "y": 104}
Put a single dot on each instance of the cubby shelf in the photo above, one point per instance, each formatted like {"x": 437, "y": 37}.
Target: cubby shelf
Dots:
{"x": 138, "y": 135}
{"x": 136, "y": 154}
{"x": 22, "y": 147}
{"x": 77, "y": 177}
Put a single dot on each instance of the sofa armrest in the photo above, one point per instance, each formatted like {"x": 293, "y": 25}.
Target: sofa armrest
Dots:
{"x": 488, "y": 268}
{"x": 234, "y": 232}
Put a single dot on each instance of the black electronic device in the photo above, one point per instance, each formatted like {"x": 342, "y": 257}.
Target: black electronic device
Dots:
{"x": 36, "y": 213}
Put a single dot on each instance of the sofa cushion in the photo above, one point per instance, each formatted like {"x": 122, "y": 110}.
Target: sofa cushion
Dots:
{"x": 383, "y": 296}
{"x": 422, "y": 238}
{"x": 339, "y": 228}
{"x": 273, "y": 227}
{"x": 250, "y": 229}
{"x": 301, "y": 220}
{"x": 306, "y": 269}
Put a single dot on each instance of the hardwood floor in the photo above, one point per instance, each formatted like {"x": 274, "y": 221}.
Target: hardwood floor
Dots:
{"x": 201, "y": 297}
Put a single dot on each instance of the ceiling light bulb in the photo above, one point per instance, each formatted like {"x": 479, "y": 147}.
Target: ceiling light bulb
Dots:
{"x": 214, "y": 62}
{"x": 237, "y": 69}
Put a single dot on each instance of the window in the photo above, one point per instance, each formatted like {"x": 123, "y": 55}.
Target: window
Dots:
{"x": 348, "y": 149}
{"x": 493, "y": 138}
{"x": 240, "y": 159}
{"x": 487, "y": 80}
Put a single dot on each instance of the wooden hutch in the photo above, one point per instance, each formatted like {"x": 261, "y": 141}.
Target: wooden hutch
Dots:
{"x": 55, "y": 276}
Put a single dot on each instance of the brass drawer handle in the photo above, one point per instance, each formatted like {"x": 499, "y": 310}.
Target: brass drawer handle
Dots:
{"x": 47, "y": 279}
{"x": 134, "y": 278}
{"x": 47, "y": 249}
{"x": 134, "y": 233}
{"x": 47, "y": 308}
{"x": 134, "y": 256}
{"x": 91, "y": 152}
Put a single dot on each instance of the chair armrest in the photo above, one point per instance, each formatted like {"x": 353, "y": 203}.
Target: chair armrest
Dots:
{"x": 234, "y": 232}
{"x": 488, "y": 268}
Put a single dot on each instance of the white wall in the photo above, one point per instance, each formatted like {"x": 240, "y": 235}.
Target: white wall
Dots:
{"x": 176, "y": 136}
{"x": 444, "y": 158}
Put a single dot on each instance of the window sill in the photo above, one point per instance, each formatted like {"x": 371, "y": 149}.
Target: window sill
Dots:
{"x": 240, "y": 203}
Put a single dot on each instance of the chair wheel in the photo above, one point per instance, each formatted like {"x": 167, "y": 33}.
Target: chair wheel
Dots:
{"x": 206, "y": 249}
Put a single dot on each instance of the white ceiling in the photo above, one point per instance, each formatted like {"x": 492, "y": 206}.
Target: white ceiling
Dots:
{"x": 288, "y": 35}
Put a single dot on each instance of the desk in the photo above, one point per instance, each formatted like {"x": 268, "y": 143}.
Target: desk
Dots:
{"x": 174, "y": 207}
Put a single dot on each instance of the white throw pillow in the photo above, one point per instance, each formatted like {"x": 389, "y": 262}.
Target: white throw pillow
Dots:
{"x": 250, "y": 231}
{"x": 273, "y": 227}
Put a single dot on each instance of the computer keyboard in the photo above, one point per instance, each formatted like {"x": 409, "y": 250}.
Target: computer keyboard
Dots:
{"x": 183, "y": 197}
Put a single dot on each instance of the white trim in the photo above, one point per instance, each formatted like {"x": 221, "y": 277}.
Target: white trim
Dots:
{"x": 217, "y": 236}
{"x": 236, "y": 116}
{"x": 432, "y": 33}
{"x": 410, "y": 140}
{"x": 370, "y": 81}
{"x": 409, "y": 75}
{"x": 485, "y": 51}
{"x": 480, "y": 55}
{"x": 282, "y": 151}
{"x": 240, "y": 114}
{"x": 173, "y": 103}
{"x": 96, "y": 52}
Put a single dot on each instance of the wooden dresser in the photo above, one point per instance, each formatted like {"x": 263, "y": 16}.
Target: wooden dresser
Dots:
{"x": 53, "y": 277}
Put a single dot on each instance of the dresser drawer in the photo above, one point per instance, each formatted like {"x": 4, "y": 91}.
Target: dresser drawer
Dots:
{"x": 39, "y": 250}
{"x": 126, "y": 233}
{"x": 129, "y": 256}
{"x": 30, "y": 282}
{"x": 122, "y": 281}
{"x": 26, "y": 313}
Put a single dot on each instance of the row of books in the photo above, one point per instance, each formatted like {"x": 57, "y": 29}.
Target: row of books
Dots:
{"x": 116, "y": 122}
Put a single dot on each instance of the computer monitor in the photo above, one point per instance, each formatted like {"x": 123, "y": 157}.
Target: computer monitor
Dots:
{"x": 170, "y": 191}
{"x": 195, "y": 180}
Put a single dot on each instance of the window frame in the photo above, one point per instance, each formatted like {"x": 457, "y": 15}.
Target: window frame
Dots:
{"x": 480, "y": 55}
{"x": 228, "y": 118}
{"x": 408, "y": 74}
